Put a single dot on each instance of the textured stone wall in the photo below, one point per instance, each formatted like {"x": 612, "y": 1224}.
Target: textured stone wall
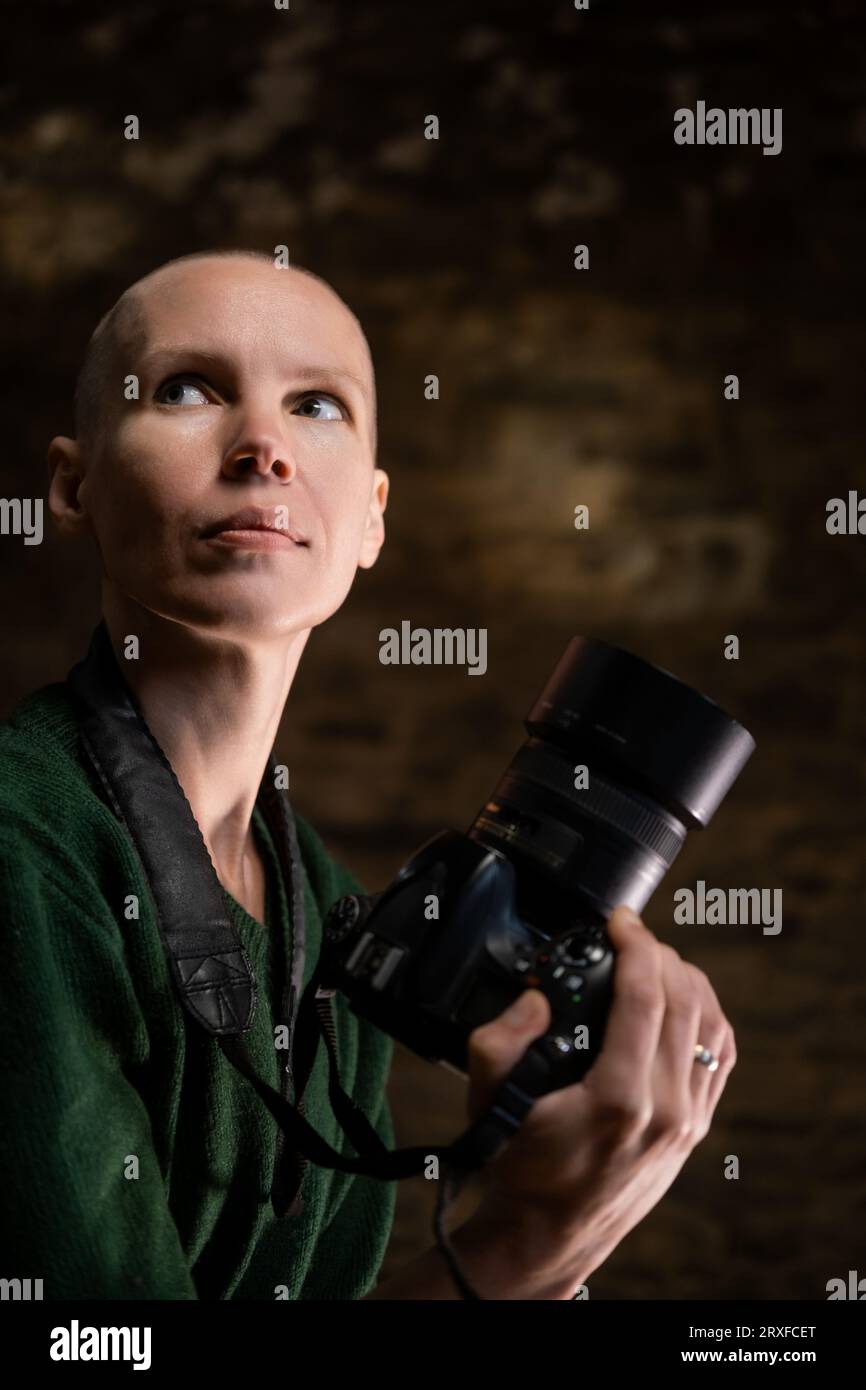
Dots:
{"x": 558, "y": 387}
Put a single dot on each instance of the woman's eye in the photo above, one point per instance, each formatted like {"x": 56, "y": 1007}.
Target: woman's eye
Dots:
{"x": 172, "y": 392}
{"x": 314, "y": 401}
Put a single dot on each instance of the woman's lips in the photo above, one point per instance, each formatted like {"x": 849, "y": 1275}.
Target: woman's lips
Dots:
{"x": 258, "y": 539}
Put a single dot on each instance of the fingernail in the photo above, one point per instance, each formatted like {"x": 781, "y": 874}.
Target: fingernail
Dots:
{"x": 628, "y": 915}
{"x": 521, "y": 1010}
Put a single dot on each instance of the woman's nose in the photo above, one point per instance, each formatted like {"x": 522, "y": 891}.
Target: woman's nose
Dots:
{"x": 259, "y": 452}
{"x": 260, "y": 446}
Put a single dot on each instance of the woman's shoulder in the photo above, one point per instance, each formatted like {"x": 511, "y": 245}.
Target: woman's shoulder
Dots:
{"x": 50, "y": 808}
{"x": 43, "y": 713}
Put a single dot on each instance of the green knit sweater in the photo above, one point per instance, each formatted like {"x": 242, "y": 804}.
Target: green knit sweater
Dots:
{"x": 101, "y": 1066}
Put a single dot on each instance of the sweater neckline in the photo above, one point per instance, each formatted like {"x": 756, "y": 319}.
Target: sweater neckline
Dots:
{"x": 272, "y": 878}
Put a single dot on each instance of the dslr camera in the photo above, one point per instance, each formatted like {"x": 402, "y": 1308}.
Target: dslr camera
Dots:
{"x": 621, "y": 761}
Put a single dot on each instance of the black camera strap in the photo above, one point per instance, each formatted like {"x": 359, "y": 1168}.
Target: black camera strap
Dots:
{"x": 212, "y": 971}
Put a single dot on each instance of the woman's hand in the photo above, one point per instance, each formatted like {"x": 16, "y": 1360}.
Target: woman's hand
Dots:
{"x": 592, "y": 1159}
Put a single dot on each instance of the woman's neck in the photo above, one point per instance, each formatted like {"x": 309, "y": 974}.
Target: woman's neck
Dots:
{"x": 214, "y": 706}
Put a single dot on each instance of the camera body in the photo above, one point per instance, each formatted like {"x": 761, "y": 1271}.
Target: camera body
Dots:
{"x": 444, "y": 950}
{"x": 622, "y": 759}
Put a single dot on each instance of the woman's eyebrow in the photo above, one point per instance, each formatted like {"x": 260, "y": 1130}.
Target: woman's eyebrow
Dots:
{"x": 335, "y": 374}
{"x": 164, "y": 357}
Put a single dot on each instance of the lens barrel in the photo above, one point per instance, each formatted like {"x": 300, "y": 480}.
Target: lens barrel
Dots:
{"x": 660, "y": 734}
{"x": 660, "y": 758}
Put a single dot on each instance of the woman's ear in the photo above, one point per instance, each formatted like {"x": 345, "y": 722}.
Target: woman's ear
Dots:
{"x": 66, "y": 474}
{"x": 374, "y": 532}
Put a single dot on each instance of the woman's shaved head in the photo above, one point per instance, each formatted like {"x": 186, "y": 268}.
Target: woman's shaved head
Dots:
{"x": 117, "y": 337}
{"x": 255, "y": 390}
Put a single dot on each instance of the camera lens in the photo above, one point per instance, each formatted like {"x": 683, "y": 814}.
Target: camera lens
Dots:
{"x": 622, "y": 760}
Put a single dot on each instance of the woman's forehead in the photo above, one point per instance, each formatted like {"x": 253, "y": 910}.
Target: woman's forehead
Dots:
{"x": 227, "y": 302}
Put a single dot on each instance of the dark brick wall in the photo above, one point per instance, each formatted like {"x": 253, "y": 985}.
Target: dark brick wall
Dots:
{"x": 557, "y": 387}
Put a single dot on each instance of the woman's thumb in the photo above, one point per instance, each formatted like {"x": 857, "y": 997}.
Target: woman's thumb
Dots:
{"x": 495, "y": 1048}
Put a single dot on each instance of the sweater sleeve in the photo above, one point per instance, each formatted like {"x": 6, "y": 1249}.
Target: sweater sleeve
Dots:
{"x": 85, "y": 1205}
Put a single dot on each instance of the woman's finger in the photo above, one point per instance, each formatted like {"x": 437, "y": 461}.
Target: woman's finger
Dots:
{"x": 727, "y": 1055}
{"x": 711, "y": 1034}
{"x": 673, "y": 1103}
{"x": 620, "y": 1077}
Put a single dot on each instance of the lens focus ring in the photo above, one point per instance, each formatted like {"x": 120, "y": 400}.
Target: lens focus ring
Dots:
{"x": 601, "y": 799}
